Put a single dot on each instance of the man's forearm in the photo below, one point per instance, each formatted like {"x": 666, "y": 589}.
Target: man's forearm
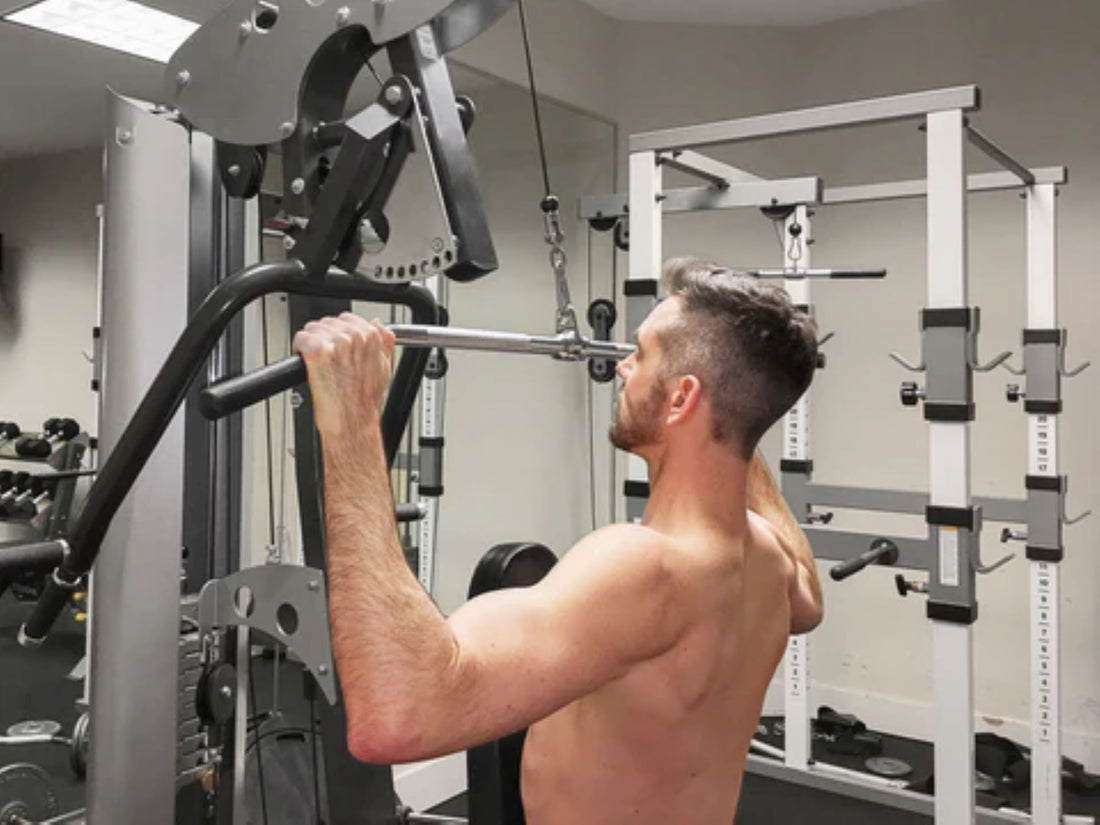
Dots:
{"x": 765, "y": 499}
{"x": 391, "y": 644}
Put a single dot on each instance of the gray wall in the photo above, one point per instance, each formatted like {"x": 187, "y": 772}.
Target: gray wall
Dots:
{"x": 48, "y": 286}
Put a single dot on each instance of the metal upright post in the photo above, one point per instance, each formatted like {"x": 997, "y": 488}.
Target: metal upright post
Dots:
{"x": 1044, "y": 481}
{"x": 949, "y": 484}
{"x": 430, "y": 483}
{"x": 797, "y": 734}
{"x": 641, "y": 287}
{"x": 135, "y": 651}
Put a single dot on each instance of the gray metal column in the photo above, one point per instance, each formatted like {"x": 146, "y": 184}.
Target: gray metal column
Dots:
{"x": 134, "y": 691}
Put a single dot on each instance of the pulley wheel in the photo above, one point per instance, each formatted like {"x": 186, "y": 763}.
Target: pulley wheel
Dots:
{"x": 78, "y": 749}
{"x": 37, "y": 727}
{"x": 26, "y": 795}
{"x": 887, "y": 766}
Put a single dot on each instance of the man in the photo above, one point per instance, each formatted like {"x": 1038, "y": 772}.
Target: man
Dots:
{"x": 641, "y": 661}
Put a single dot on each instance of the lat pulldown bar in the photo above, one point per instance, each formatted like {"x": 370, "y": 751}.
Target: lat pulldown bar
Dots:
{"x": 235, "y": 394}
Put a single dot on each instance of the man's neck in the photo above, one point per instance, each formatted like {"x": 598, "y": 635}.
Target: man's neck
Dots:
{"x": 692, "y": 490}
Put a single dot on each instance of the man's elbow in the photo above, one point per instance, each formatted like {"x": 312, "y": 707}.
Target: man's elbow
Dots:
{"x": 806, "y": 617}
{"x": 384, "y": 741}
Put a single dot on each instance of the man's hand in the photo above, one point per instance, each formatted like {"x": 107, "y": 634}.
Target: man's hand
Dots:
{"x": 348, "y": 361}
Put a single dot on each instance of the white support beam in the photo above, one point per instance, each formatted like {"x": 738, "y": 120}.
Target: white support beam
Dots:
{"x": 1045, "y": 581}
{"x": 798, "y": 739}
{"x": 949, "y": 456}
{"x": 819, "y": 118}
{"x": 644, "y": 266}
{"x": 714, "y": 171}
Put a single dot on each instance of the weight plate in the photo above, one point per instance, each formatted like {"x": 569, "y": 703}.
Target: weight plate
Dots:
{"x": 887, "y": 766}
{"x": 984, "y": 783}
{"x": 26, "y": 795}
{"x": 78, "y": 749}
{"x": 38, "y": 727}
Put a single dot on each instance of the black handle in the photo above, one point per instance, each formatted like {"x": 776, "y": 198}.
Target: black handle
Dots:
{"x": 166, "y": 393}
{"x": 883, "y": 551}
{"x": 19, "y": 557}
{"x": 407, "y": 512}
{"x": 234, "y": 394}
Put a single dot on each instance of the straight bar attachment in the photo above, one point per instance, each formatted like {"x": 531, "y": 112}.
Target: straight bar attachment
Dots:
{"x": 875, "y": 110}
{"x": 234, "y": 394}
{"x": 980, "y": 141}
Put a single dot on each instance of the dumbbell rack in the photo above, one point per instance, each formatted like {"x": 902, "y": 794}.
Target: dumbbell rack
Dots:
{"x": 64, "y": 461}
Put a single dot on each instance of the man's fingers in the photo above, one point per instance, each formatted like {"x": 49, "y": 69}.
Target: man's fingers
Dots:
{"x": 335, "y": 332}
{"x": 307, "y": 342}
{"x": 388, "y": 338}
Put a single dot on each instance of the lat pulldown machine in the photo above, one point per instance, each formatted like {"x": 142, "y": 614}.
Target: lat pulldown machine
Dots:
{"x": 263, "y": 73}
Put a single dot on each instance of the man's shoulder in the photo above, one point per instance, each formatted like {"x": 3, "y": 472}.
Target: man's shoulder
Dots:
{"x": 624, "y": 547}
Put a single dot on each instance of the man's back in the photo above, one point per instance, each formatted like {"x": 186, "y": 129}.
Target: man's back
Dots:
{"x": 667, "y": 742}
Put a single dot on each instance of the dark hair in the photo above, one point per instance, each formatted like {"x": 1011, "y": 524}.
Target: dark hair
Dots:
{"x": 753, "y": 351}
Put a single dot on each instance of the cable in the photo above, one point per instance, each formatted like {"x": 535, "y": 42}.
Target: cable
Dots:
{"x": 373, "y": 71}
{"x": 316, "y": 769}
{"x": 534, "y": 97}
{"x": 259, "y": 752}
{"x": 267, "y": 425}
{"x": 590, "y": 406}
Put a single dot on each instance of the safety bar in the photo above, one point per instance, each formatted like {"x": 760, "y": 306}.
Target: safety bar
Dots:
{"x": 169, "y": 388}
{"x": 801, "y": 274}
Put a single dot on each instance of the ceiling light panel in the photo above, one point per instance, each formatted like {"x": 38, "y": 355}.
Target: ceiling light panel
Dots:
{"x": 121, "y": 25}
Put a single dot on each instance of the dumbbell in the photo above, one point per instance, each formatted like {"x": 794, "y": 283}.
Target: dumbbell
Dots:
{"x": 25, "y": 505}
{"x": 9, "y": 431}
{"x": 60, "y": 429}
{"x": 17, "y": 483}
{"x": 7, "y": 477}
{"x": 54, "y": 430}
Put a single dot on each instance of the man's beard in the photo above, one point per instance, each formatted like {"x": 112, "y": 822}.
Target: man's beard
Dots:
{"x": 639, "y": 426}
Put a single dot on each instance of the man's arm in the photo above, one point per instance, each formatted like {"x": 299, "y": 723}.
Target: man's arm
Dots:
{"x": 415, "y": 684}
{"x": 765, "y": 500}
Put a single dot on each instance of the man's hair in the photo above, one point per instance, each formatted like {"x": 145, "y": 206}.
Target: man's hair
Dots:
{"x": 753, "y": 351}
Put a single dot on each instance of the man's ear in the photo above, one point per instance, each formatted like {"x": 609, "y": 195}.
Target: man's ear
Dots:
{"x": 687, "y": 394}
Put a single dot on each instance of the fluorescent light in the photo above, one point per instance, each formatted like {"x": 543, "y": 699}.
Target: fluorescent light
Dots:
{"x": 115, "y": 24}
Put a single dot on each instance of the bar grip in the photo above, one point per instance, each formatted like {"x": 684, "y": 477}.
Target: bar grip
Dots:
{"x": 883, "y": 551}
{"x": 54, "y": 597}
{"x": 852, "y": 274}
{"x": 234, "y": 394}
{"x": 22, "y": 556}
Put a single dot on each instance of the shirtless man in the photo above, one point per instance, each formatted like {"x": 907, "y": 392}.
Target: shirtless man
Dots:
{"x": 641, "y": 661}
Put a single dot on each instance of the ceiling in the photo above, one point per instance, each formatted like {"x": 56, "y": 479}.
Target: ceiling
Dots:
{"x": 744, "y": 12}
